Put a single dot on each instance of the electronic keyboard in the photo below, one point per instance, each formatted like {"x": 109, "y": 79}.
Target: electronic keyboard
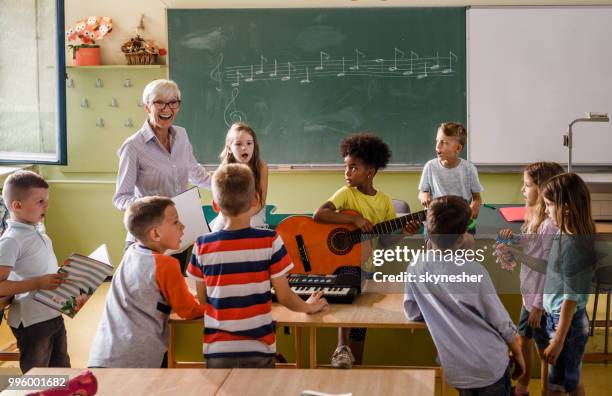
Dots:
{"x": 337, "y": 289}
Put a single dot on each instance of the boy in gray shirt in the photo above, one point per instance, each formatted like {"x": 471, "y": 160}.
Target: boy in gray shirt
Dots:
{"x": 448, "y": 174}
{"x": 468, "y": 323}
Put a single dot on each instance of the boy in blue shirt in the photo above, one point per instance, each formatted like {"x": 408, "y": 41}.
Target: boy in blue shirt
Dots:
{"x": 448, "y": 174}
{"x": 28, "y": 264}
{"x": 468, "y": 323}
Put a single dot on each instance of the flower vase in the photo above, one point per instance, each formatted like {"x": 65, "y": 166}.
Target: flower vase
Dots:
{"x": 87, "y": 56}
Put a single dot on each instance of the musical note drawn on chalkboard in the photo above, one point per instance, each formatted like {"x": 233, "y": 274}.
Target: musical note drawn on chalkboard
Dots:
{"x": 411, "y": 70}
{"x": 323, "y": 56}
{"x": 449, "y": 69}
{"x": 436, "y": 65}
{"x": 237, "y": 82}
{"x": 262, "y": 59}
{"x": 216, "y": 74}
{"x": 395, "y": 52}
{"x": 275, "y": 72}
{"x": 307, "y": 79}
{"x": 231, "y": 114}
{"x": 289, "y": 68}
{"x": 357, "y": 53}
{"x": 407, "y": 64}
{"x": 342, "y": 73}
{"x": 249, "y": 79}
{"x": 424, "y": 73}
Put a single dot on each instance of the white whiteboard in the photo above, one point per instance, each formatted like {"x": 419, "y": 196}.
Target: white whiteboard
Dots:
{"x": 531, "y": 71}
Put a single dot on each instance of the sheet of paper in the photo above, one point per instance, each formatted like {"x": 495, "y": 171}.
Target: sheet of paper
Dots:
{"x": 189, "y": 208}
{"x": 101, "y": 254}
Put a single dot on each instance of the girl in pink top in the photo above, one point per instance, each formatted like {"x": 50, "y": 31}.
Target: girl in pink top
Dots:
{"x": 536, "y": 239}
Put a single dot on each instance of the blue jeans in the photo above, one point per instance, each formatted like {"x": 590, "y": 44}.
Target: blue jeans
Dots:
{"x": 500, "y": 388}
{"x": 564, "y": 375}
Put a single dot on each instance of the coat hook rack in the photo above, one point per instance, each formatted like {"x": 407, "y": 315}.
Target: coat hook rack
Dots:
{"x": 100, "y": 122}
{"x": 114, "y": 103}
{"x": 127, "y": 83}
{"x": 99, "y": 83}
{"x": 128, "y": 123}
{"x": 70, "y": 83}
{"x": 84, "y": 103}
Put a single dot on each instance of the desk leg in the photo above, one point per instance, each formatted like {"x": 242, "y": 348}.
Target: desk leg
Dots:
{"x": 313, "y": 347}
{"x": 298, "y": 346}
{"x": 171, "y": 340}
{"x": 442, "y": 383}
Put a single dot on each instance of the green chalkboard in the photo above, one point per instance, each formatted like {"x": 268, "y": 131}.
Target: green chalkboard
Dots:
{"x": 306, "y": 78}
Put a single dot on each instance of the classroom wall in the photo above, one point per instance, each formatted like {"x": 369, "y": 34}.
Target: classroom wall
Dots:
{"x": 126, "y": 15}
{"x": 81, "y": 214}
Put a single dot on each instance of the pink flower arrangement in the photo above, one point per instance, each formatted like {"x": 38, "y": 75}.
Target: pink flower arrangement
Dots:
{"x": 87, "y": 31}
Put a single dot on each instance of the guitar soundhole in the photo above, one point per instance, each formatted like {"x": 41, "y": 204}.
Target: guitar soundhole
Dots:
{"x": 338, "y": 241}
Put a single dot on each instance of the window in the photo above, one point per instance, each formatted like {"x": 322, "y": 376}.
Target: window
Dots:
{"x": 32, "y": 82}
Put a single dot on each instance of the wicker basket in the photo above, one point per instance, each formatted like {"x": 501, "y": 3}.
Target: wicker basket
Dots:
{"x": 140, "y": 58}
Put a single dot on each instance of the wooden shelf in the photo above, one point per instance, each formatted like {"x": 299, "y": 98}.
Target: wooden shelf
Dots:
{"x": 117, "y": 67}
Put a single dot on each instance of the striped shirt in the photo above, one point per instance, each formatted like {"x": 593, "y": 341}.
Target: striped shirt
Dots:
{"x": 146, "y": 168}
{"x": 236, "y": 267}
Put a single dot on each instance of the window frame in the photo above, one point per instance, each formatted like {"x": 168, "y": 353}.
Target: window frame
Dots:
{"x": 61, "y": 153}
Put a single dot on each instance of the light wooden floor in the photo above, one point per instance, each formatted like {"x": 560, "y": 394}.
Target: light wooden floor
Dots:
{"x": 81, "y": 329}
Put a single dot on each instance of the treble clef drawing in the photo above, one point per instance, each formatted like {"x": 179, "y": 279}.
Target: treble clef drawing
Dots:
{"x": 216, "y": 74}
{"x": 231, "y": 114}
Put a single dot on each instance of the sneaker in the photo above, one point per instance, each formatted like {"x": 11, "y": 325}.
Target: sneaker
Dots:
{"x": 342, "y": 357}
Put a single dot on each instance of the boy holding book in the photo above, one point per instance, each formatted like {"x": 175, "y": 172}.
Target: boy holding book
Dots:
{"x": 28, "y": 264}
{"x": 147, "y": 285}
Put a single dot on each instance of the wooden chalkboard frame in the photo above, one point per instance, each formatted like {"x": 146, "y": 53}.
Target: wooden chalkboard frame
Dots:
{"x": 206, "y": 46}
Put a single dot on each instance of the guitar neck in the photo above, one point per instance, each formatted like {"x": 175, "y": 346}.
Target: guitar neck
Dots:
{"x": 389, "y": 226}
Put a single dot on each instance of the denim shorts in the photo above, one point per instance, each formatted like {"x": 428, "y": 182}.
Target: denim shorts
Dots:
{"x": 539, "y": 335}
{"x": 564, "y": 375}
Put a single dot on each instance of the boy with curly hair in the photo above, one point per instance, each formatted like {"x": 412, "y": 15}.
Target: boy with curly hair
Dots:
{"x": 364, "y": 154}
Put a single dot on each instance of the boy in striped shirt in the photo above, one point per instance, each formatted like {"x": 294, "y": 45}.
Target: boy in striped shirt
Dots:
{"x": 234, "y": 269}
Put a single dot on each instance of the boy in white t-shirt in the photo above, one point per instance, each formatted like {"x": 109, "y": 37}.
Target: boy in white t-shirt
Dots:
{"x": 28, "y": 264}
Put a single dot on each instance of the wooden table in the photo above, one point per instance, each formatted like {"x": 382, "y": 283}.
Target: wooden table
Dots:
{"x": 358, "y": 382}
{"x": 238, "y": 382}
{"x": 126, "y": 381}
{"x": 376, "y": 307}
{"x": 371, "y": 309}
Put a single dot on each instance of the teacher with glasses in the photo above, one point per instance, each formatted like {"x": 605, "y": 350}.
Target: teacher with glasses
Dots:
{"x": 158, "y": 159}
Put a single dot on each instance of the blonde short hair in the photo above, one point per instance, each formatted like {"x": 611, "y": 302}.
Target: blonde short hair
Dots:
{"x": 144, "y": 214}
{"x": 17, "y": 186}
{"x": 456, "y": 130}
{"x": 160, "y": 89}
{"x": 233, "y": 188}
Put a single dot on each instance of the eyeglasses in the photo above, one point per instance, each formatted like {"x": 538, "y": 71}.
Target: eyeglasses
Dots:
{"x": 174, "y": 104}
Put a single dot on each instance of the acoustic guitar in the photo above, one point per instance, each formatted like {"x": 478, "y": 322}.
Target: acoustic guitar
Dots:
{"x": 321, "y": 248}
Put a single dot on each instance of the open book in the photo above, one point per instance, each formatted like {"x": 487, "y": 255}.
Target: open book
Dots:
{"x": 84, "y": 276}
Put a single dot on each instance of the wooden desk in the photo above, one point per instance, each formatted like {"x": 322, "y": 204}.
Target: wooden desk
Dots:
{"x": 126, "y": 381}
{"x": 358, "y": 382}
{"x": 371, "y": 309}
{"x": 237, "y": 382}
